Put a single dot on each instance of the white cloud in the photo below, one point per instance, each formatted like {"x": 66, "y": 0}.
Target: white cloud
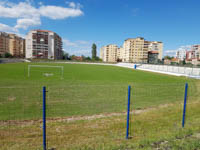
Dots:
{"x": 21, "y": 10}
{"x": 83, "y": 42}
{"x": 72, "y": 4}
{"x": 27, "y": 15}
{"x": 6, "y": 28}
{"x": 173, "y": 52}
{"x": 25, "y": 23}
{"x": 69, "y": 43}
{"x": 170, "y": 51}
{"x": 78, "y": 48}
{"x": 55, "y": 12}
{"x": 135, "y": 11}
{"x": 80, "y": 52}
{"x": 40, "y": 3}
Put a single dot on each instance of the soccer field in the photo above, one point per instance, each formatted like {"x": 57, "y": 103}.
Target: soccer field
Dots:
{"x": 86, "y": 109}
{"x": 84, "y": 90}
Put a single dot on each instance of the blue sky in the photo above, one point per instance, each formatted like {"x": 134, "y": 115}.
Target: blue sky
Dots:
{"x": 83, "y": 22}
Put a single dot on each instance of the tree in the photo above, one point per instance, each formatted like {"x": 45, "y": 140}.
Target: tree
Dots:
{"x": 184, "y": 62}
{"x": 7, "y": 55}
{"x": 168, "y": 57}
{"x": 87, "y": 58}
{"x": 94, "y": 51}
{"x": 65, "y": 56}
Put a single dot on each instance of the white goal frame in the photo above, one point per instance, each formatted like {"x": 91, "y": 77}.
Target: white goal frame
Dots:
{"x": 45, "y": 66}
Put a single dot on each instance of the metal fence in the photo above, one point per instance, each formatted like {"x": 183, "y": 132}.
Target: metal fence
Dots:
{"x": 173, "y": 69}
{"x": 75, "y": 111}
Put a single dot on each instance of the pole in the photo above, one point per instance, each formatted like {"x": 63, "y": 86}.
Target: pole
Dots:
{"x": 28, "y": 71}
{"x": 185, "y": 102}
{"x": 44, "y": 118}
{"x": 128, "y": 112}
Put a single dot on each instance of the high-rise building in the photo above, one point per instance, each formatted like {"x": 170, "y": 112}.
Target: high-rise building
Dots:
{"x": 109, "y": 53}
{"x": 135, "y": 50}
{"x": 4, "y": 43}
{"x": 13, "y": 44}
{"x": 196, "y": 49}
{"x": 16, "y": 46}
{"x": 43, "y": 44}
{"x": 181, "y": 54}
{"x": 120, "y": 54}
{"x": 156, "y": 46}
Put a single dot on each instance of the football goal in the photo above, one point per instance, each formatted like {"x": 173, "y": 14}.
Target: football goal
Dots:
{"x": 45, "y": 70}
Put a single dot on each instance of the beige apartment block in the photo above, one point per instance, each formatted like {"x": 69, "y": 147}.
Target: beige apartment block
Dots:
{"x": 156, "y": 46}
{"x": 13, "y": 44}
{"x": 16, "y": 46}
{"x": 135, "y": 50}
{"x": 109, "y": 53}
{"x": 120, "y": 53}
{"x": 4, "y": 43}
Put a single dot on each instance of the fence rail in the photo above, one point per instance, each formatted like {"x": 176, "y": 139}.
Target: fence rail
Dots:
{"x": 173, "y": 69}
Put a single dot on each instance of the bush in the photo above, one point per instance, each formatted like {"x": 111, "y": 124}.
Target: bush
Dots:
{"x": 7, "y": 55}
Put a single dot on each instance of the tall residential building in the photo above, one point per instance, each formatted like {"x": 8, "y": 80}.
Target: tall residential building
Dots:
{"x": 135, "y": 50}
{"x": 190, "y": 55}
{"x": 156, "y": 46}
{"x": 196, "y": 49}
{"x": 109, "y": 53}
{"x": 13, "y": 44}
{"x": 43, "y": 44}
{"x": 120, "y": 53}
{"x": 181, "y": 54}
{"x": 4, "y": 43}
{"x": 16, "y": 46}
{"x": 153, "y": 57}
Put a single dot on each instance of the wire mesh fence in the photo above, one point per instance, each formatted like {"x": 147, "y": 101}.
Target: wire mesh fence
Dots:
{"x": 84, "y": 111}
{"x": 20, "y": 118}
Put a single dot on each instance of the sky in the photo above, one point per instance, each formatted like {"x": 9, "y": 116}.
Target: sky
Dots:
{"x": 82, "y": 22}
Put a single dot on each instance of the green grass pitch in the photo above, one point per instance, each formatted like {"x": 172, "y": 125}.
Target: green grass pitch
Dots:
{"x": 85, "y": 90}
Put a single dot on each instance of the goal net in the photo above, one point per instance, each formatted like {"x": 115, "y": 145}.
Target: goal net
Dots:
{"x": 45, "y": 71}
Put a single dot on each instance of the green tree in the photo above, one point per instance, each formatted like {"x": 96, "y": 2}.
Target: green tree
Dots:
{"x": 65, "y": 55}
{"x": 7, "y": 55}
{"x": 184, "y": 62}
{"x": 168, "y": 57}
{"x": 94, "y": 51}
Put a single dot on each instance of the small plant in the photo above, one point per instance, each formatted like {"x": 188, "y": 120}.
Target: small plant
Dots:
{"x": 7, "y": 55}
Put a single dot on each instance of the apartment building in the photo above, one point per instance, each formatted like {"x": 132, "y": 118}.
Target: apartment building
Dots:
{"x": 196, "y": 49}
{"x": 181, "y": 54}
{"x": 13, "y": 44}
{"x": 190, "y": 55}
{"x": 109, "y": 53}
{"x": 4, "y": 43}
{"x": 156, "y": 46}
{"x": 153, "y": 57}
{"x": 120, "y": 54}
{"x": 43, "y": 44}
{"x": 135, "y": 50}
{"x": 16, "y": 46}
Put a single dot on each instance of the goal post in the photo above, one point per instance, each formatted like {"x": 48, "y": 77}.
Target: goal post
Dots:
{"x": 45, "y": 66}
